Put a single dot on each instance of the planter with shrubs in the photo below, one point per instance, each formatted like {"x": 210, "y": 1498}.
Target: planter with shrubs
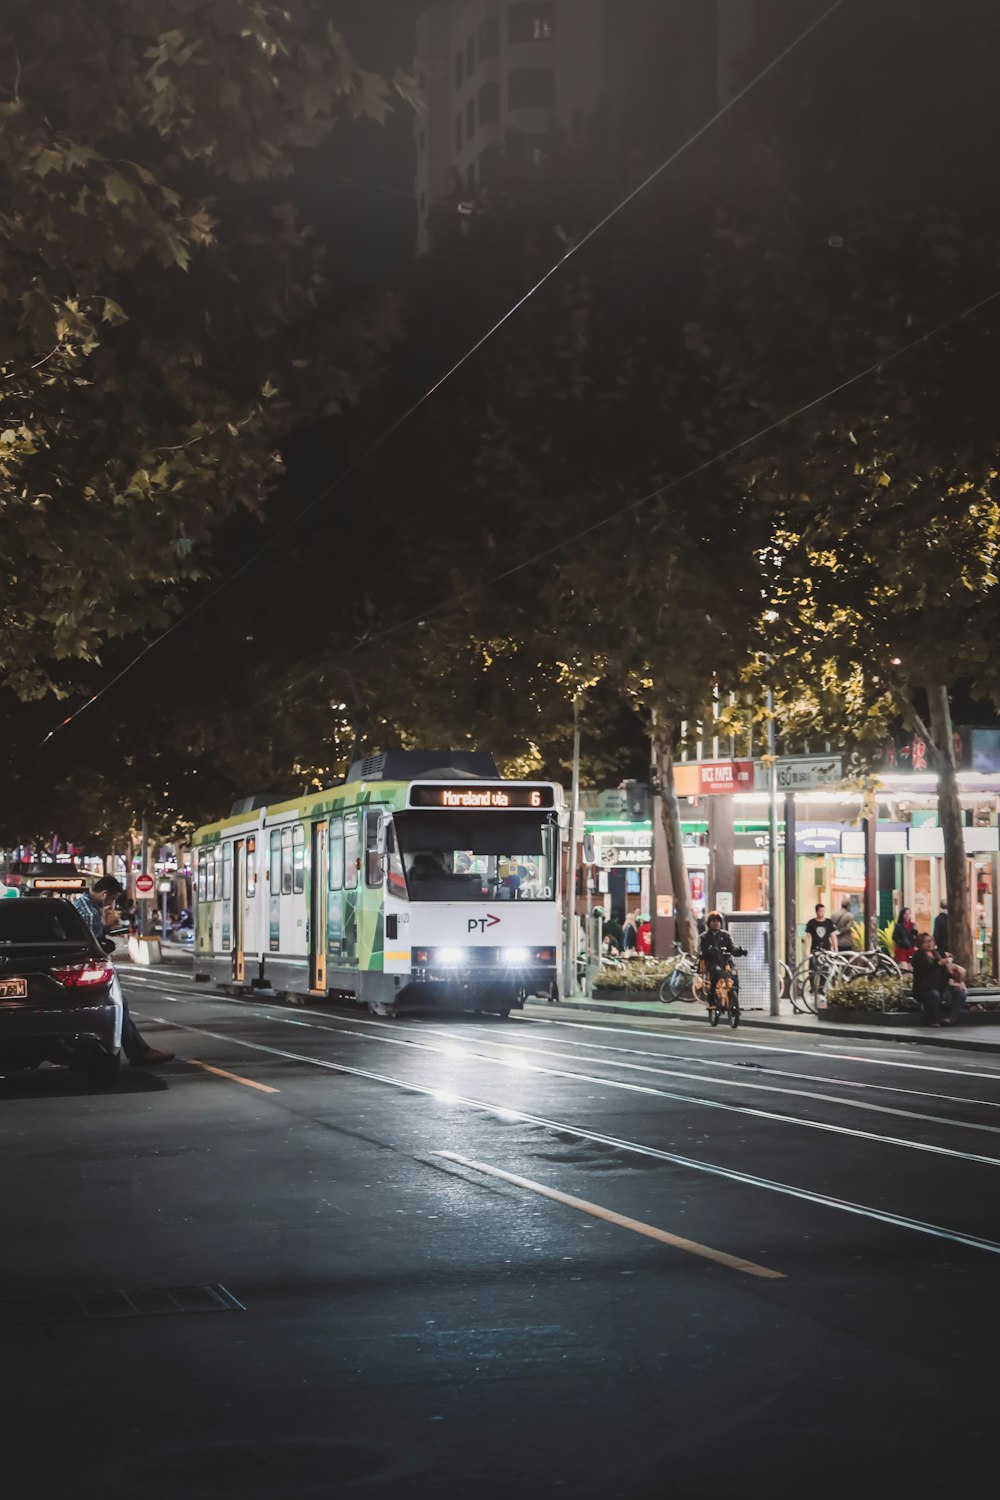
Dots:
{"x": 879, "y": 997}
{"x": 632, "y": 979}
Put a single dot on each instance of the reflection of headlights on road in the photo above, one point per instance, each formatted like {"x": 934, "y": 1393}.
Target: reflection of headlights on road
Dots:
{"x": 516, "y": 955}
{"x": 450, "y": 956}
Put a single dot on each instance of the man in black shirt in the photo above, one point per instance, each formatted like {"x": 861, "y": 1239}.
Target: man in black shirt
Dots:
{"x": 936, "y": 977}
{"x": 822, "y": 939}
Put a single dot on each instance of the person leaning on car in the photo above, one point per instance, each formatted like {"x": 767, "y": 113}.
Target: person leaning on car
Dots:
{"x": 92, "y": 906}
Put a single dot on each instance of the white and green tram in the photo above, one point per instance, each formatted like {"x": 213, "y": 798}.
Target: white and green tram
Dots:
{"x": 424, "y": 879}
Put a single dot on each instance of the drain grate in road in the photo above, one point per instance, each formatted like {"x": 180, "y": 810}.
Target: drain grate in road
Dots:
{"x": 146, "y": 1302}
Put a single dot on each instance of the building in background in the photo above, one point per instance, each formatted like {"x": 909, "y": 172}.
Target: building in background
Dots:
{"x": 500, "y": 75}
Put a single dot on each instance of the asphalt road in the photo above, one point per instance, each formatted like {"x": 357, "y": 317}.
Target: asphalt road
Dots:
{"x": 770, "y": 1265}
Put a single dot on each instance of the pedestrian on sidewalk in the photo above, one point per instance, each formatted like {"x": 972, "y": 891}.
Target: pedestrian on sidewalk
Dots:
{"x": 97, "y": 908}
{"x": 904, "y": 937}
{"x": 843, "y": 924}
{"x": 630, "y": 936}
{"x": 937, "y": 981}
{"x": 941, "y": 935}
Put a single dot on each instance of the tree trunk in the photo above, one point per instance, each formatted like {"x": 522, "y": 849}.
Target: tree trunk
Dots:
{"x": 956, "y": 869}
{"x": 663, "y": 753}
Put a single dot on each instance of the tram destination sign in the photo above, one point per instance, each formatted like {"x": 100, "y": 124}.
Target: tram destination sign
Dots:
{"x": 482, "y": 796}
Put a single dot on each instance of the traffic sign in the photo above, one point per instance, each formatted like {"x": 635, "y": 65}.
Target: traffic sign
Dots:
{"x": 145, "y": 886}
{"x": 803, "y": 773}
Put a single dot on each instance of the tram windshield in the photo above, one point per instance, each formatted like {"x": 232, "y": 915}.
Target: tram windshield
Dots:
{"x": 463, "y": 856}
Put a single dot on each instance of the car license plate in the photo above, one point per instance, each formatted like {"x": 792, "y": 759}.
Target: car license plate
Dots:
{"x": 13, "y": 989}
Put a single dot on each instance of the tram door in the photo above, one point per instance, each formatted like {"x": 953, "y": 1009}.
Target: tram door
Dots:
{"x": 239, "y": 911}
{"x": 318, "y": 909}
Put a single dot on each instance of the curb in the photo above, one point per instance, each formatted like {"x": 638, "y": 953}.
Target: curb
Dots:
{"x": 839, "y": 1028}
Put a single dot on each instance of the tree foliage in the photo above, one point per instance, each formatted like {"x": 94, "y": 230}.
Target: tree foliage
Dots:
{"x": 165, "y": 317}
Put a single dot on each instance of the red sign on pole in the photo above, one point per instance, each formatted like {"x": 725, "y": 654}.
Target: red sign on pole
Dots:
{"x": 144, "y": 885}
{"x": 725, "y": 776}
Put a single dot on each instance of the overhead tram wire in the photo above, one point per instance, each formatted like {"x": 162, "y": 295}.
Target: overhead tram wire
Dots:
{"x": 675, "y": 483}
{"x": 410, "y": 411}
{"x": 438, "y": 611}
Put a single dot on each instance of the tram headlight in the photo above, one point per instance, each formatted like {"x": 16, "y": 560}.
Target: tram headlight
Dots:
{"x": 519, "y": 956}
{"x": 449, "y": 956}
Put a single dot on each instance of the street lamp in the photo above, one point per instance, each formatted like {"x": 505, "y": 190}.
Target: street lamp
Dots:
{"x": 773, "y": 982}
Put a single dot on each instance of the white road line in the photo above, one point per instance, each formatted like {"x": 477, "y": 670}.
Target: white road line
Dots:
{"x": 468, "y": 1046}
{"x": 502, "y": 1112}
{"x": 746, "y": 1110}
{"x": 708, "y": 1062}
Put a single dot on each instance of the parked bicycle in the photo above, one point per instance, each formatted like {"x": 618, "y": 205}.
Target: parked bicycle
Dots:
{"x": 684, "y": 982}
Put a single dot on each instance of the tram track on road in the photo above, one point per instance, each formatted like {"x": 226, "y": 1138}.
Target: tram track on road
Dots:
{"x": 623, "y": 1144}
{"x": 452, "y": 1045}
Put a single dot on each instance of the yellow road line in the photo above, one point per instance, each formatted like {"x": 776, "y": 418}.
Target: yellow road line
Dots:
{"x": 265, "y": 1088}
{"x": 636, "y": 1225}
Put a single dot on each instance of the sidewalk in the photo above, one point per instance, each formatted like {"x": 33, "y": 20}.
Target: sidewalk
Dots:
{"x": 981, "y": 1034}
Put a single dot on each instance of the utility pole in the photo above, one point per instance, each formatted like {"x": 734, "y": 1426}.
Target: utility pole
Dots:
{"x": 144, "y": 863}
{"x": 569, "y": 946}
{"x": 772, "y": 859}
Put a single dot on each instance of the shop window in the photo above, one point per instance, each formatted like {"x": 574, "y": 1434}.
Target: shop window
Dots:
{"x": 489, "y": 104}
{"x": 298, "y": 859}
{"x": 351, "y": 851}
{"x": 531, "y": 88}
{"x": 531, "y": 22}
{"x": 336, "y": 855}
{"x": 286, "y": 861}
{"x": 470, "y": 119}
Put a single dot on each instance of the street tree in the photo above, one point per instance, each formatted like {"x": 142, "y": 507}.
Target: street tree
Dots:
{"x": 166, "y": 317}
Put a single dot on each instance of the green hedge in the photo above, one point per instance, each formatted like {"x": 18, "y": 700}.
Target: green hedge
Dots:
{"x": 634, "y": 974}
{"x": 876, "y": 992}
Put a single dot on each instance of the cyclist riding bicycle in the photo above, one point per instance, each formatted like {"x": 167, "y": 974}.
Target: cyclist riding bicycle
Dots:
{"x": 717, "y": 952}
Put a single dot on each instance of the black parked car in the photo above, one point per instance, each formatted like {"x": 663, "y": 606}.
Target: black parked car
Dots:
{"x": 60, "y": 999}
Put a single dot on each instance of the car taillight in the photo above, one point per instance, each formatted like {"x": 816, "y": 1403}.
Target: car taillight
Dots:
{"x": 83, "y": 974}
{"x": 12, "y": 880}
{"x": 420, "y": 955}
{"x": 545, "y": 955}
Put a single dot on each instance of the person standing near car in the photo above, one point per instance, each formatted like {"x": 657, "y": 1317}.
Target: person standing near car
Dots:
{"x": 92, "y": 906}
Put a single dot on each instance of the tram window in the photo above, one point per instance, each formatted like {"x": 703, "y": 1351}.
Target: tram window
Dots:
{"x": 213, "y": 855}
{"x": 298, "y": 859}
{"x": 227, "y": 872}
{"x": 373, "y": 862}
{"x": 202, "y": 873}
{"x": 336, "y": 855}
{"x": 286, "y": 861}
{"x": 251, "y": 868}
{"x": 274, "y": 869}
{"x": 351, "y": 851}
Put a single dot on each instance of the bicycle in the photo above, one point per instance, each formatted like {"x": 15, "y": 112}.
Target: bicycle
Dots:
{"x": 815, "y": 973}
{"x": 725, "y": 999}
{"x": 685, "y": 981}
